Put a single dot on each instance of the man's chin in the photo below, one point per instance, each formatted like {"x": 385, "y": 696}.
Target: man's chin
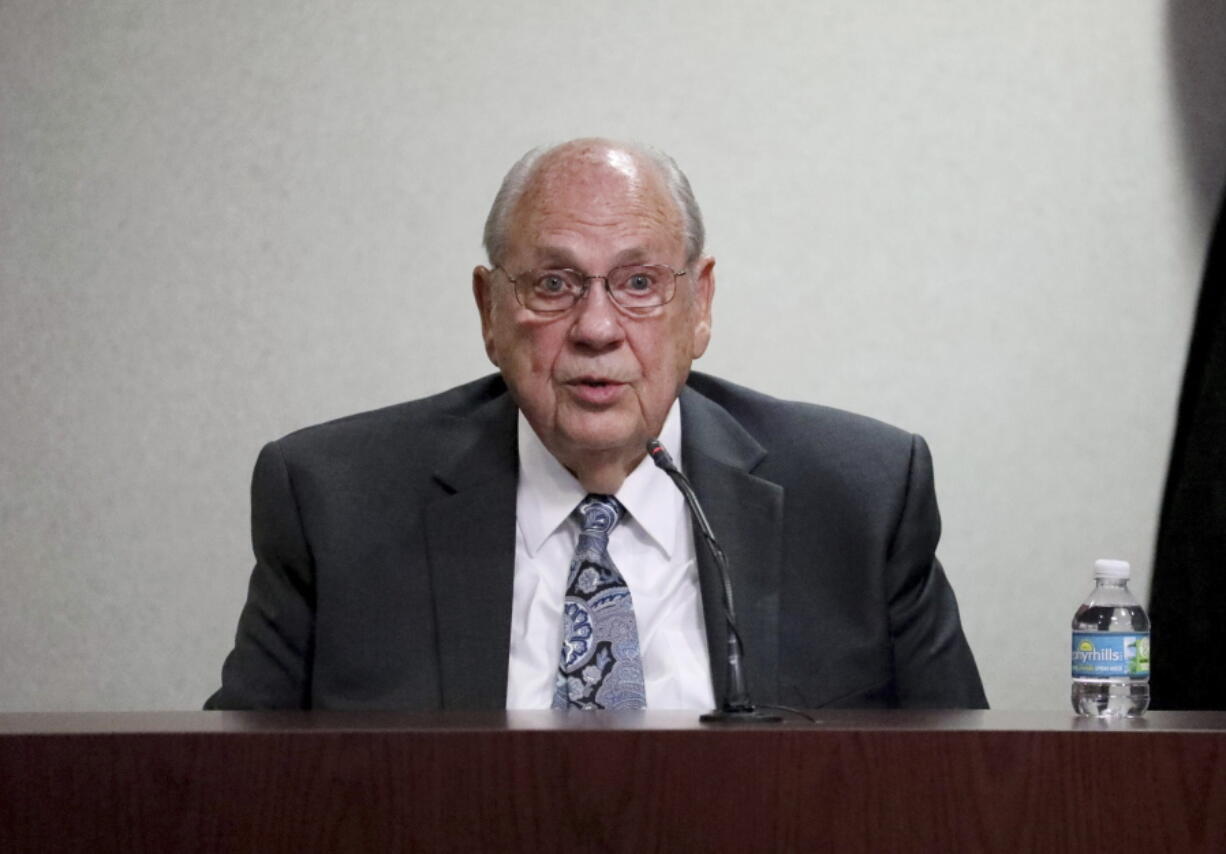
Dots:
{"x": 604, "y": 441}
{"x": 600, "y": 446}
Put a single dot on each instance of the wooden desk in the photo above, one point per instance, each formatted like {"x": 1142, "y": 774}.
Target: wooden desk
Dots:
{"x": 654, "y": 781}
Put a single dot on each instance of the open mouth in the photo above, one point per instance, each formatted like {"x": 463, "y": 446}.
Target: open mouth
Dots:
{"x": 595, "y": 382}
{"x": 596, "y": 390}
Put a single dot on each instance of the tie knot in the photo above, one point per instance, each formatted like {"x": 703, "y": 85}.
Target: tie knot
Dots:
{"x": 599, "y": 514}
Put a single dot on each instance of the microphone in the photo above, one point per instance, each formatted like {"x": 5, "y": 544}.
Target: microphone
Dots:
{"x": 737, "y": 707}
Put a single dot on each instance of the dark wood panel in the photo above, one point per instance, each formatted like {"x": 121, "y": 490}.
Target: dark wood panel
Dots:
{"x": 304, "y": 783}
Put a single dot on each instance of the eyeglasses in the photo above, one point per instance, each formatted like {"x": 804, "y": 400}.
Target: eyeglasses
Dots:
{"x": 637, "y": 288}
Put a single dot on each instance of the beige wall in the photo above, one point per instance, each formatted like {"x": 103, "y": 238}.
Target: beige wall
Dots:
{"x": 221, "y": 221}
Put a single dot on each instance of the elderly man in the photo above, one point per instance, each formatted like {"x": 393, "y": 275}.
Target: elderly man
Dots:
{"x": 509, "y": 544}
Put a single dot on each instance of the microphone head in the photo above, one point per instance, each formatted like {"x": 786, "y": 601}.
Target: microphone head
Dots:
{"x": 659, "y": 455}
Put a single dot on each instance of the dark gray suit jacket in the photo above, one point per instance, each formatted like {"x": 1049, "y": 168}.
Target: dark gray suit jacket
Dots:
{"x": 385, "y": 549}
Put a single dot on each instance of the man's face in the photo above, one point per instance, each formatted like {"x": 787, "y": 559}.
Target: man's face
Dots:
{"x": 595, "y": 382}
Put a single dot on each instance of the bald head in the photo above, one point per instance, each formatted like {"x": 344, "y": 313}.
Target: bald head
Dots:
{"x": 594, "y": 167}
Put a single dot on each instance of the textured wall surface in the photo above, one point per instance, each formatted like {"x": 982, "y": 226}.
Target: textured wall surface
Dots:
{"x": 223, "y": 221}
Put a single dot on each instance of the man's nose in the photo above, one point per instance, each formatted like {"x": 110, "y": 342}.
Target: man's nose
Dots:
{"x": 597, "y": 322}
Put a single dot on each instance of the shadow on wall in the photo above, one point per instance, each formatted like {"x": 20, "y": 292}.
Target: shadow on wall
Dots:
{"x": 1196, "y": 50}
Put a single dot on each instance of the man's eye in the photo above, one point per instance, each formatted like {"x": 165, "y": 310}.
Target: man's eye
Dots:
{"x": 639, "y": 282}
{"x": 551, "y": 285}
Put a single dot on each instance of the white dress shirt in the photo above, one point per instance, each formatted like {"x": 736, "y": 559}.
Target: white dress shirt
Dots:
{"x": 652, "y": 546}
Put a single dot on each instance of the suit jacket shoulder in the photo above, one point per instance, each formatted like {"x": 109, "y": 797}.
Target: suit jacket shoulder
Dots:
{"x": 410, "y": 431}
{"x": 856, "y": 459}
{"x": 787, "y": 424}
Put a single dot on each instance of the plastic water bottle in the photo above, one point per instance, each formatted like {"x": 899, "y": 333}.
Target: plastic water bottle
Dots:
{"x": 1111, "y": 647}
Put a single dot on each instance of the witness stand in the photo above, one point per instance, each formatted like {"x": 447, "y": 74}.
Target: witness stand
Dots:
{"x": 639, "y": 781}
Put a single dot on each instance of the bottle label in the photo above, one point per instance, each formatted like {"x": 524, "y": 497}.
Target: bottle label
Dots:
{"x": 1103, "y": 655}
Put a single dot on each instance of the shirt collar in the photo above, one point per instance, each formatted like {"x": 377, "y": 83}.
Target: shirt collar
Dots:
{"x": 548, "y": 493}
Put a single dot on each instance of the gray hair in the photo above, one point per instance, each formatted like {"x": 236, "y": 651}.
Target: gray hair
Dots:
{"x": 521, "y": 174}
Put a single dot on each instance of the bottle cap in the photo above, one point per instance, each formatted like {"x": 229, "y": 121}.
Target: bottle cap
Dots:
{"x": 1104, "y": 568}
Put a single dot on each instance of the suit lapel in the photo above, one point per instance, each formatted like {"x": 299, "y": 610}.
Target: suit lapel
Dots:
{"x": 746, "y": 514}
{"x": 471, "y": 544}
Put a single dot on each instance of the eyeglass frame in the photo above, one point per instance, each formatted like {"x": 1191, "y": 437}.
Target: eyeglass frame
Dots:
{"x": 632, "y": 311}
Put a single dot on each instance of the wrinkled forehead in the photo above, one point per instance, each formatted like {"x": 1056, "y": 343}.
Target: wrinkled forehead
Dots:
{"x": 597, "y": 188}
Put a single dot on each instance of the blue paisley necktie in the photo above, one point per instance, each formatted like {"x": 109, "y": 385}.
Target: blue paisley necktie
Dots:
{"x": 599, "y": 667}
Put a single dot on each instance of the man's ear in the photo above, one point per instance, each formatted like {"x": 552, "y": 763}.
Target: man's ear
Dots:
{"x": 704, "y": 293}
{"x": 483, "y": 293}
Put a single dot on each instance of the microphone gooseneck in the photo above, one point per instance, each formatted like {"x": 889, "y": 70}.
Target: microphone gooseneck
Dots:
{"x": 737, "y": 707}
